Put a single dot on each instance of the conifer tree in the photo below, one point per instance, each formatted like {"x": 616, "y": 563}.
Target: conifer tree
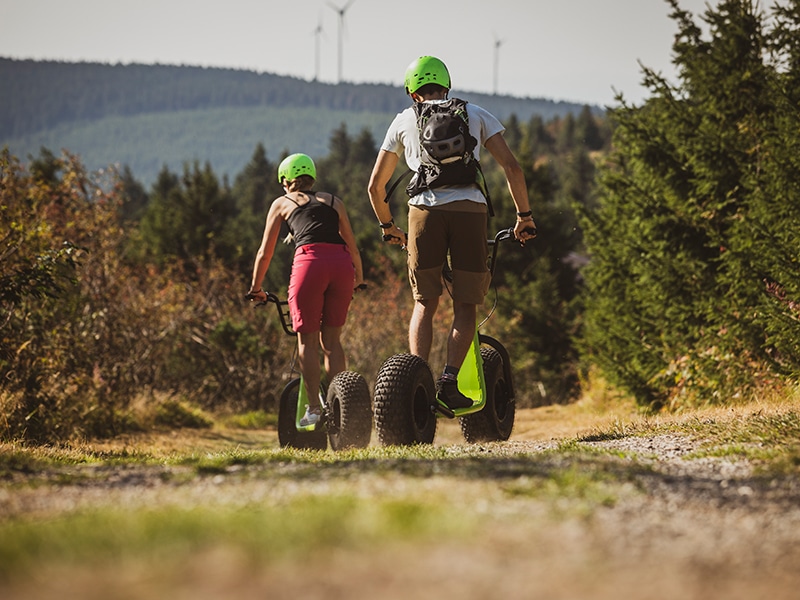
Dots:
{"x": 675, "y": 303}
{"x": 186, "y": 217}
{"x": 254, "y": 188}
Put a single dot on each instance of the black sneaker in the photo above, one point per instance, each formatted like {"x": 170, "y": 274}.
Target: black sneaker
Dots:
{"x": 447, "y": 393}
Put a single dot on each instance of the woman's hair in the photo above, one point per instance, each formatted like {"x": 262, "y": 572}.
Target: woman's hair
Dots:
{"x": 300, "y": 183}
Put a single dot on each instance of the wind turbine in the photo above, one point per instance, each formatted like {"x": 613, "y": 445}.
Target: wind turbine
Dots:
{"x": 341, "y": 10}
{"x": 497, "y": 44}
{"x": 317, "y": 34}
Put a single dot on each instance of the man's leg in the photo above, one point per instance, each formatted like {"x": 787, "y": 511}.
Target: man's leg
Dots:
{"x": 462, "y": 333}
{"x": 420, "y": 328}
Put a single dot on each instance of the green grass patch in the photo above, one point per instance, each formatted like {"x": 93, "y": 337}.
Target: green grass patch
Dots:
{"x": 176, "y": 415}
{"x": 573, "y": 482}
{"x": 257, "y": 419}
{"x": 771, "y": 439}
{"x": 262, "y": 533}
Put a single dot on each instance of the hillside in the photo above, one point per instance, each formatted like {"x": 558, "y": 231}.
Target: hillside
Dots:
{"x": 146, "y": 116}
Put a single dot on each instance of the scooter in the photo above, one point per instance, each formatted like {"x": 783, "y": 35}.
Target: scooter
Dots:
{"x": 346, "y": 404}
{"x": 405, "y": 404}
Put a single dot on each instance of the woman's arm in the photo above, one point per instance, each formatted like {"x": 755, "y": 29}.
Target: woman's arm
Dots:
{"x": 265, "y": 252}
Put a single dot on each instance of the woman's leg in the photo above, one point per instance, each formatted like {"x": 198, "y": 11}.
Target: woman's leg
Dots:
{"x": 333, "y": 351}
{"x": 308, "y": 352}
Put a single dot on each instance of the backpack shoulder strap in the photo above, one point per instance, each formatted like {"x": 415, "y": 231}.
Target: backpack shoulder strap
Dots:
{"x": 396, "y": 182}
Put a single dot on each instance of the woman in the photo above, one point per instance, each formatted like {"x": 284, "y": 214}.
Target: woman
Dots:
{"x": 325, "y": 271}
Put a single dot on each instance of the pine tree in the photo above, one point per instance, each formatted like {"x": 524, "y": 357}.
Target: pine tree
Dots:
{"x": 675, "y": 294}
{"x": 254, "y": 189}
{"x": 186, "y": 218}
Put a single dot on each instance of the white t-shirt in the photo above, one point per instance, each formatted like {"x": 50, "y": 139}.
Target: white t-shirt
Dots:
{"x": 402, "y": 138}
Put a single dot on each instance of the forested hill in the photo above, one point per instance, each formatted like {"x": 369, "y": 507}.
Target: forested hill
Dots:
{"x": 142, "y": 115}
{"x": 40, "y": 95}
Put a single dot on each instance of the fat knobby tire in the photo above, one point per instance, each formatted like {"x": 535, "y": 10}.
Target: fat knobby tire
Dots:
{"x": 496, "y": 420}
{"x": 404, "y": 395}
{"x": 349, "y": 411}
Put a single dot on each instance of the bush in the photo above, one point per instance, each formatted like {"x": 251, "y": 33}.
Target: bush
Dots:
{"x": 91, "y": 332}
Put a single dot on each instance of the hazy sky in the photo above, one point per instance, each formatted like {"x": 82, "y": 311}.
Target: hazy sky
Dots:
{"x": 573, "y": 50}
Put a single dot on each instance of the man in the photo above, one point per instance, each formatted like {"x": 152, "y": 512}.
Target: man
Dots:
{"x": 444, "y": 217}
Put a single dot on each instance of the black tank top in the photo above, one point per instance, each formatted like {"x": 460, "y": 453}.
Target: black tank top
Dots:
{"x": 314, "y": 222}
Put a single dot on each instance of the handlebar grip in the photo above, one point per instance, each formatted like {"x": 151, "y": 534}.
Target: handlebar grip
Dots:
{"x": 270, "y": 298}
{"x": 387, "y": 237}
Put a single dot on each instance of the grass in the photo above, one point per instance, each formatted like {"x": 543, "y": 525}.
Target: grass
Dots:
{"x": 263, "y": 533}
{"x": 169, "y": 496}
{"x": 766, "y": 433}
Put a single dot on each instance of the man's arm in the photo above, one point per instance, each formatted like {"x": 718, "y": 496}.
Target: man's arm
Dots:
{"x": 381, "y": 174}
{"x": 498, "y": 148}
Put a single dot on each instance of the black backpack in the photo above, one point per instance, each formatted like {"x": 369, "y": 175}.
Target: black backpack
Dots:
{"x": 447, "y": 148}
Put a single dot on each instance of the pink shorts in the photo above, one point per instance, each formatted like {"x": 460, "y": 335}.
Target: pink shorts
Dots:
{"x": 320, "y": 287}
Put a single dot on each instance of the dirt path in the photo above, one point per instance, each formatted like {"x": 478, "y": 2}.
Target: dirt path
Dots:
{"x": 671, "y": 526}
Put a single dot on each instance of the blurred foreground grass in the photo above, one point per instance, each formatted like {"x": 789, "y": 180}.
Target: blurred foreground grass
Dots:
{"x": 160, "y": 500}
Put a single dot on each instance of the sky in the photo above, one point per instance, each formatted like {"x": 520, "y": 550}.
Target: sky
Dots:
{"x": 583, "y": 51}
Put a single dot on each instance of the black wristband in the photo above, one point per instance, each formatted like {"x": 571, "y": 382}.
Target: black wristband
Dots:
{"x": 387, "y": 225}
{"x": 525, "y": 214}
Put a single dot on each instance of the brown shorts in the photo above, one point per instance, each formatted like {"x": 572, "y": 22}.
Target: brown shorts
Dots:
{"x": 432, "y": 233}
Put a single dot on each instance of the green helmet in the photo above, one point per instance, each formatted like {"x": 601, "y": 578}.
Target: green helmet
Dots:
{"x": 424, "y": 70}
{"x": 295, "y": 165}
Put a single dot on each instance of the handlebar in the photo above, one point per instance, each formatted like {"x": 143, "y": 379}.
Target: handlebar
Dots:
{"x": 404, "y": 241}
{"x": 506, "y": 234}
{"x": 282, "y": 307}
{"x": 502, "y": 236}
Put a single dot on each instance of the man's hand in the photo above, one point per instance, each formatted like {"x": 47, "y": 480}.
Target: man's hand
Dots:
{"x": 395, "y": 236}
{"x": 524, "y": 230}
